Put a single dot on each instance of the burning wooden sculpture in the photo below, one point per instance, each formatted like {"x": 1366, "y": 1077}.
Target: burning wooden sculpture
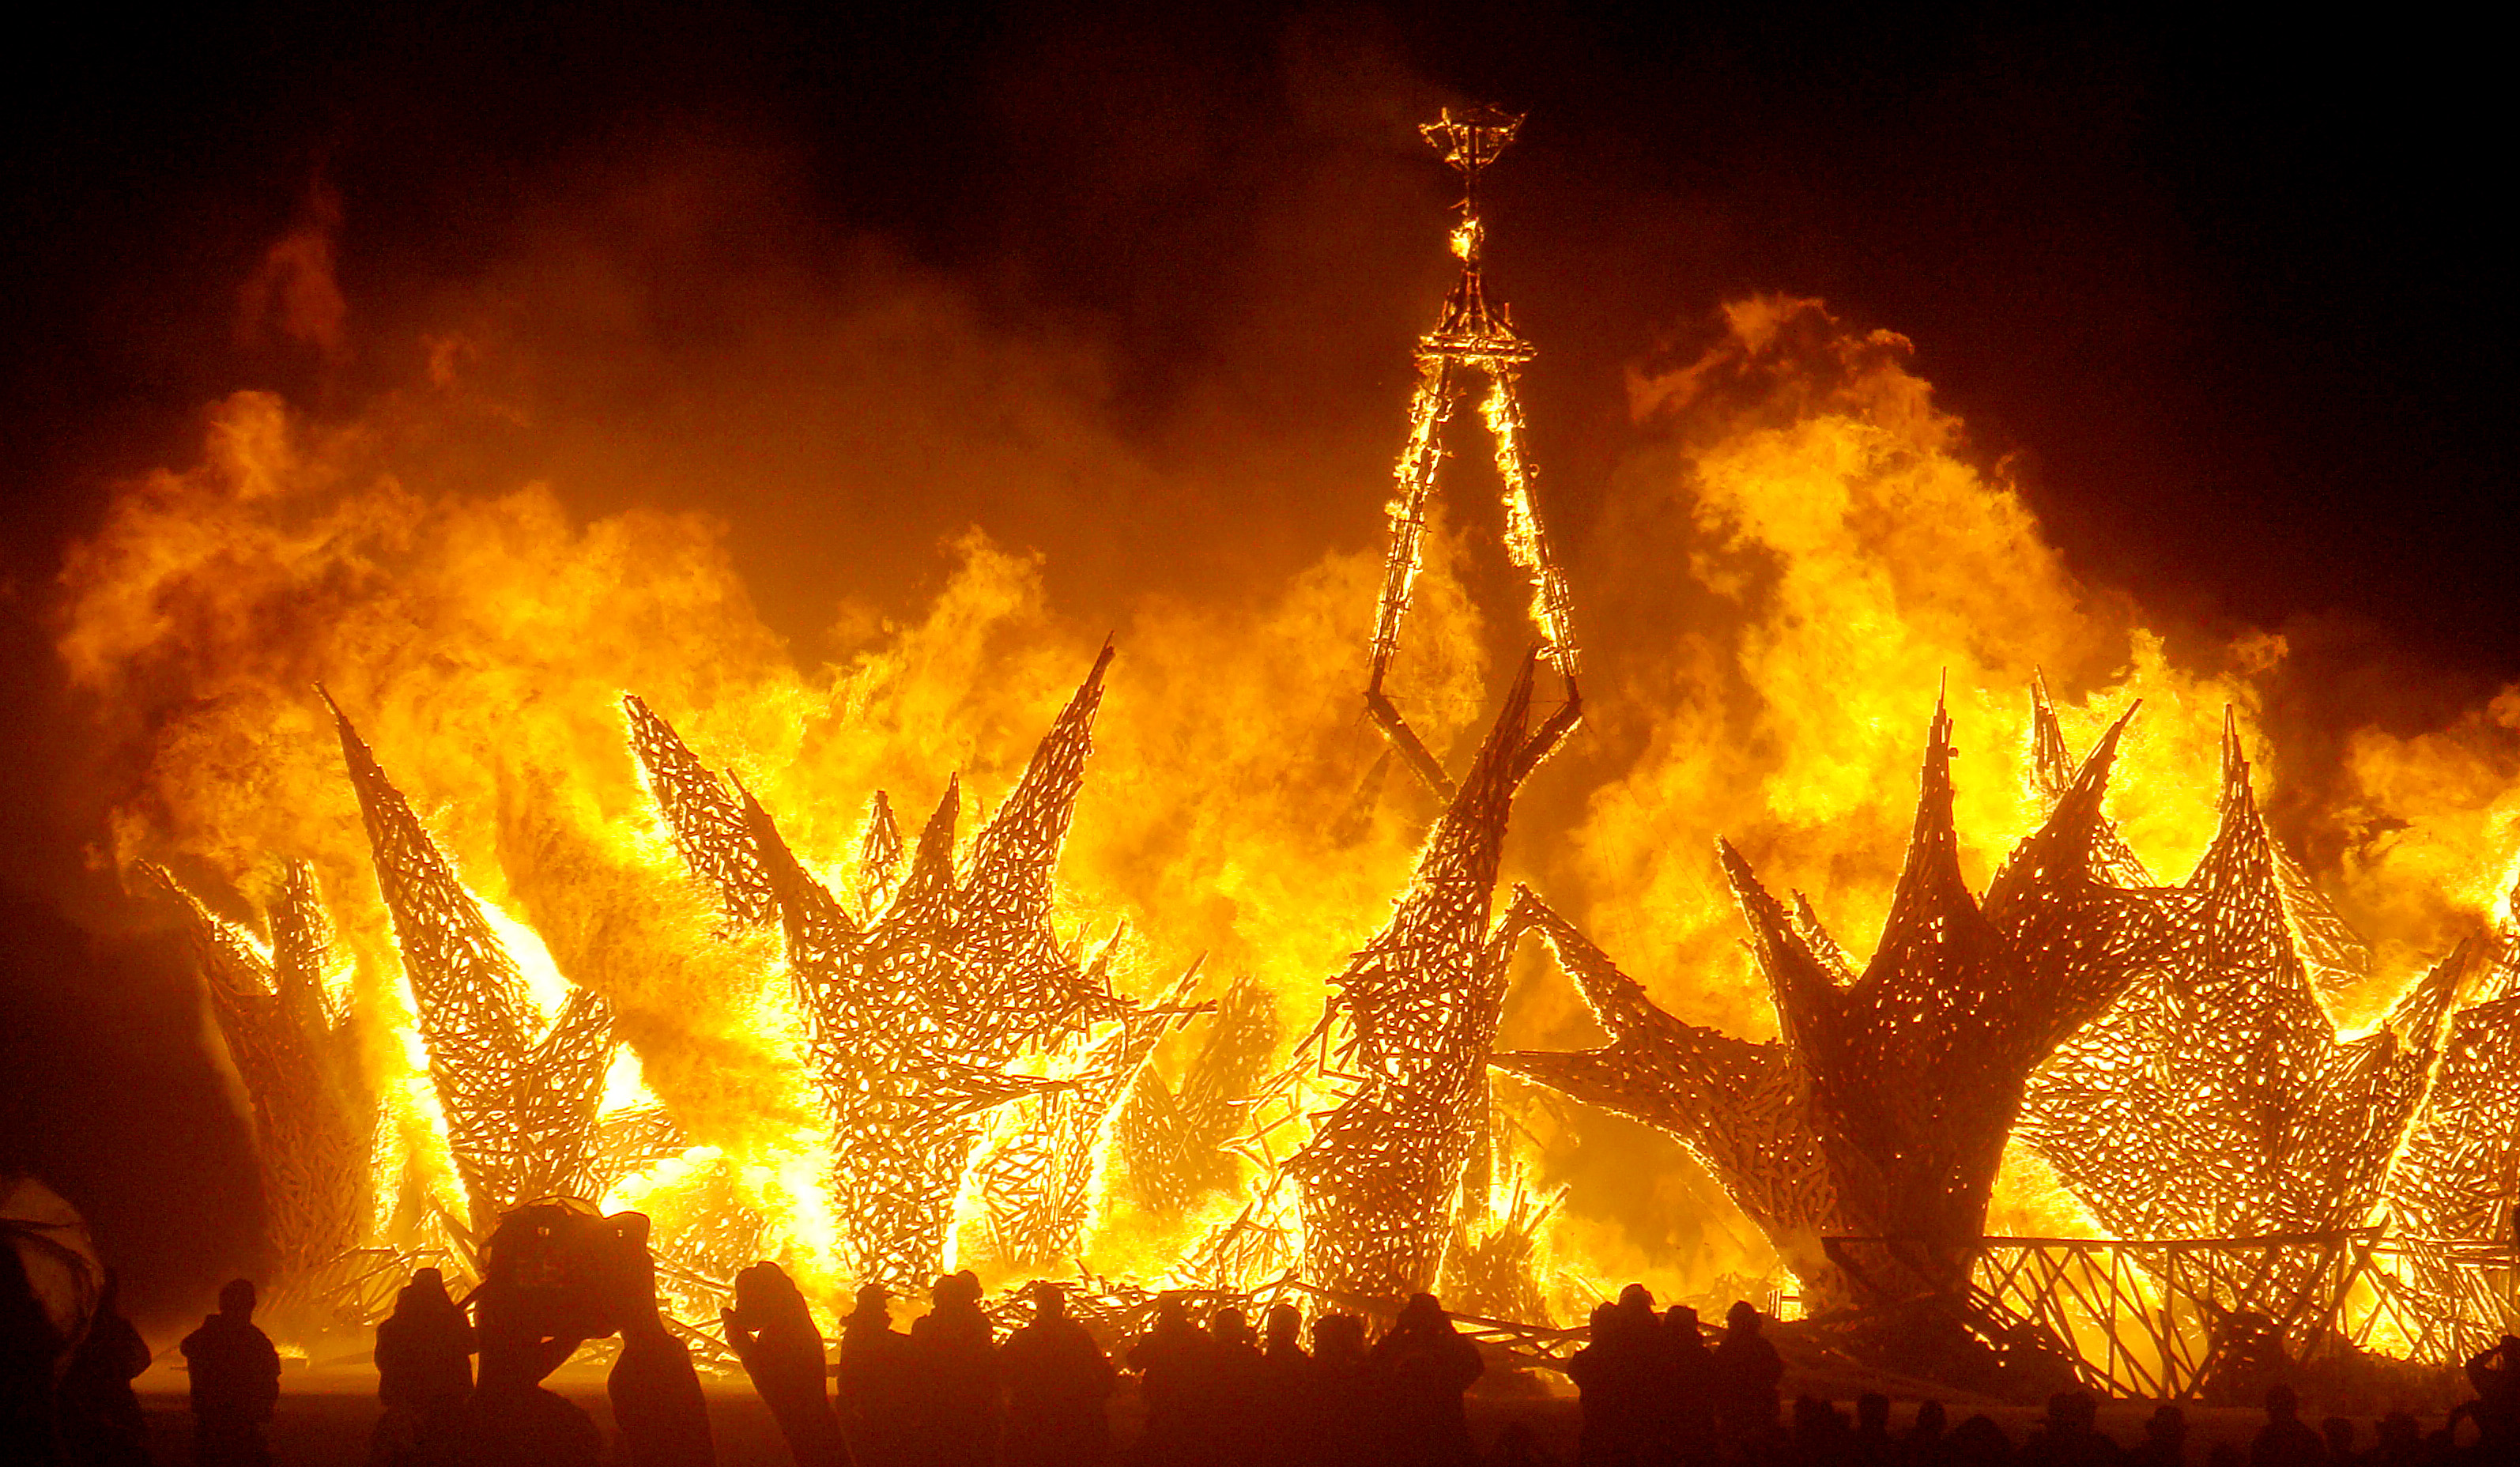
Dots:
{"x": 296, "y": 1053}
{"x": 915, "y": 1015}
{"x": 1413, "y": 1017}
{"x": 2214, "y": 1099}
{"x": 1882, "y": 1111}
{"x": 521, "y": 1095}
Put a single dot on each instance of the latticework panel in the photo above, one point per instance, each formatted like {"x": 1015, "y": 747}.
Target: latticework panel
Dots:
{"x": 2214, "y": 1099}
{"x": 1883, "y": 1108}
{"x": 520, "y": 1098}
{"x": 915, "y": 1015}
{"x": 705, "y": 818}
{"x": 313, "y": 1119}
{"x": 2157, "y": 1319}
{"x": 2457, "y": 1177}
{"x": 1037, "y": 1183}
{"x": 1172, "y": 1143}
{"x": 1492, "y": 1267}
{"x": 1379, "y": 1177}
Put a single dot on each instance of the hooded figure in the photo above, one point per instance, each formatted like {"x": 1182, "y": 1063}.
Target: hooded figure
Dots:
{"x": 423, "y": 1373}
{"x": 772, "y": 1331}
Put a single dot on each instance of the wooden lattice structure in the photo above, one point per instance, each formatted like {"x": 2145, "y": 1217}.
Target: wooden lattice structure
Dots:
{"x": 2215, "y": 1098}
{"x": 1404, "y": 1042}
{"x": 1883, "y": 1109}
{"x": 2153, "y": 1318}
{"x": 521, "y": 1095}
{"x": 1470, "y": 336}
{"x": 1173, "y": 1141}
{"x": 2452, "y": 1194}
{"x": 297, "y": 1052}
{"x": 1036, "y": 1182}
{"x": 920, "y": 1005}
{"x": 2441, "y": 1301}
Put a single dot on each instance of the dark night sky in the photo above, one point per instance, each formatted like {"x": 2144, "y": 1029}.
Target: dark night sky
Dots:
{"x": 2231, "y": 295}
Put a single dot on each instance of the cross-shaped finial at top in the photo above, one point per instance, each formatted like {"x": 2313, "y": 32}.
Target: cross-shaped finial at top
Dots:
{"x": 1472, "y": 139}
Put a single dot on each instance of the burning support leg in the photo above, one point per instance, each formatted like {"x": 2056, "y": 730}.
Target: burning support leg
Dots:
{"x": 1378, "y": 1178}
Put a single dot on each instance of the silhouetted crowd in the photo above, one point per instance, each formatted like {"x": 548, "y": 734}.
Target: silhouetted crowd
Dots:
{"x": 461, "y": 1384}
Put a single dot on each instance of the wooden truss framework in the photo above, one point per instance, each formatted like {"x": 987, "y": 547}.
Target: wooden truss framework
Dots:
{"x": 2215, "y": 1097}
{"x": 1470, "y": 336}
{"x": 1036, "y": 1183}
{"x": 2442, "y": 1300}
{"x": 917, "y": 1013}
{"x": 297, "y": 1052}
{"x": 2451, "y": 1193}
{"x": 1883, "y": 1108}
{"x": 2159, "y": 1320}
{"x": 521, "y": 1094}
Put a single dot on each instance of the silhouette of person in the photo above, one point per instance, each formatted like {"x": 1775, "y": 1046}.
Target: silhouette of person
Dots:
{"x": 236, "y": 1382}
{"x": 1687, "y": 1416}
{"x": 1058, "y": 1389}
{"x": 878, "y": 1411}
{"x": 657, "y": 1405}
{"x": 1237, "y": 1377}
{"x": 957, "y": 1370}
{"x": 1635, "y": 1303}
{"x": 2285, "y": 1441}
{"x": 1346, "y": 1421}
{"x": 2400, "y": 1443}
{"x": 2495, "y": 1376}
{"x": 1610, "y": 1376}
{"x": 2165, "y": 1440}
{"x": 772, "y": 1331}
{"x": 1747, "y": 1369}
{"x": 1871, "y": 1446}
{"x": 1287, "y": 1434}
{"x": 424, "y": 1374}
{"x": 1172, "y": 1362}
{"x": 1820, "y": 1437}
{"x": 31, "y": 1351}
{"x": 2338, "y": 1432}
{"x": 99, "y": 1417}
{"x": 1925, "y": 1445}
{"x": 1424, "y": 1365}
{"x": 2065, "y": 1438}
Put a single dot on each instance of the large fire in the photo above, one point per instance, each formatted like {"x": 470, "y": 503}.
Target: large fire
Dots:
{"x": 1799, "y": 552}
